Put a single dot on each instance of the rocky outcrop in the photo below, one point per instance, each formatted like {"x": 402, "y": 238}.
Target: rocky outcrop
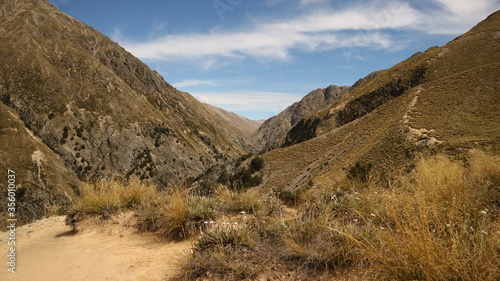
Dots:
{"x": 273, "y": 132}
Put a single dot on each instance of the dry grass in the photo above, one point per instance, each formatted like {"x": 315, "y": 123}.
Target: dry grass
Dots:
{"x": 440, "y": 222}
{"x": 104, "y": 197}
{"x": 235, "y": 201}
{"x": 178, "y": 216}
{"x": 173, "y": 214}
{"x": 221, "y": 252}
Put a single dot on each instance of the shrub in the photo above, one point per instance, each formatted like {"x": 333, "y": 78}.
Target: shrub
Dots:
{"x": 257, "y": 164}
{"x": 360, "y": 171}
{"x": 244, "y": 179}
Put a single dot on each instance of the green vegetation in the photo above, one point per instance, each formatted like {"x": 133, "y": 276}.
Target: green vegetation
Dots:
{"x": 360, "y": 171}
{"x": 257, "y": 164}
{"x": 244, "y": 177}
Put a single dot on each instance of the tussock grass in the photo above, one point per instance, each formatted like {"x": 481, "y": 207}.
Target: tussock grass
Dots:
{"x": 178, "y": 216}
{"x": 222, "y": 252}
{"x": 109, "y": 196}
{"x": 235, "y": 200}
{"x": 311, "y": 241}
{"x": 173, "y": 214}
{"x": 440, "y": 223}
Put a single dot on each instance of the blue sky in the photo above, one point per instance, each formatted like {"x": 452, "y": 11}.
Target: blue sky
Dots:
{"x": 256, "y": 57}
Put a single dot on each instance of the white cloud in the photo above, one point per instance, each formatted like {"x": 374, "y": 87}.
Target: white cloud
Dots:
{"x": 362, "y": 24}
{"x": 465, "y": 7}
{"x": 194, "y": 82}
{"x": 249, "y": 101}
{"x": 456, "y": 16}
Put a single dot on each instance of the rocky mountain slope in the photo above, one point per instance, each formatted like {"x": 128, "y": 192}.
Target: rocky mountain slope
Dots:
{"x": 273, "y": 133}
{"x": 77, "y": 106}
{"x": 446, "y": 98}
{"x": 240, "y": 126}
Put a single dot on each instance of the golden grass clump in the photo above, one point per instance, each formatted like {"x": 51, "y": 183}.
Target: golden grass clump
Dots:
{"x": 235, "y": 200}
{"x": 222, "y": 252}
{"x": 178, "y": 216}
{"x": 440, "y": 223}
{"x": 109, "y": 196}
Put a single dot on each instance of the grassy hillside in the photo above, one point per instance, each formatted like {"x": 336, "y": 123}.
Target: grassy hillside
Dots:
{"x": 443, "y": 99}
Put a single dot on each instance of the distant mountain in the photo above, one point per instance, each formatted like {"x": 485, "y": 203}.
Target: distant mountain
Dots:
{"x": 241, "y": 128}
{"x": 77, "y": 106}
{"x": 444, "y": 99}
{"x": 273, "y": 133}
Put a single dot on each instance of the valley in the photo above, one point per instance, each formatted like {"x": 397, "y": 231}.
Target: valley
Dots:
{"x": 396, "y": 177}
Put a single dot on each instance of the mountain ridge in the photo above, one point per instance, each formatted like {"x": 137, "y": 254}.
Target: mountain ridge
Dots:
{"x": 443, "y": 99}
{"x": 98, "y": 108}
{"x": 272, "y": 133}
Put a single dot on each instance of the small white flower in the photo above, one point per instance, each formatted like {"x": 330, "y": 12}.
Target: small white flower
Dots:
{"x": 205, "y": 222}
{"x": 235, "y": 223}
{"x": 243, "y": 212}
{"x": 373, "y": 215}
{"x": 382, "y": 227}
{"x": 484, "y": 212}
{"x": 355, "y": 220}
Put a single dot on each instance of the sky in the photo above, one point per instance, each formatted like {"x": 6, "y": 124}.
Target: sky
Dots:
{"x": 256, "y": 57}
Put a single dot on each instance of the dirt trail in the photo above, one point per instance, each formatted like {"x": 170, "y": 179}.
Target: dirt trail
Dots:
{"x": 109, "y": 250}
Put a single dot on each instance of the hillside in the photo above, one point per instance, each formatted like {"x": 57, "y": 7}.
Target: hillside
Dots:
{"x": 446, "y": 98}
{"x": 240, "y": 126}
{"x": 94, "y": 110}
{"x": 273, "y": 132}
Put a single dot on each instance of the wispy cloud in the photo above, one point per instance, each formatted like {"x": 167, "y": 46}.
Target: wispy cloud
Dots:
{"x": 362, "y": 24}
{"x": 194, "y": 82}
{"x": 249, "y": 101}
{"x": 455, "y": 16}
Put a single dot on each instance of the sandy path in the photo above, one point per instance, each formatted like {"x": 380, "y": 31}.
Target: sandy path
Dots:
{"x": 101, "y": 251}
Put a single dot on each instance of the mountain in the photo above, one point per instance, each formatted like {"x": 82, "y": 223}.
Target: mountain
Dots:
{"x": 77, "y": 107}
{"x": 241, "y": 127}
{"x": 444, "y": 99}
{"x": 273, "y": 133}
